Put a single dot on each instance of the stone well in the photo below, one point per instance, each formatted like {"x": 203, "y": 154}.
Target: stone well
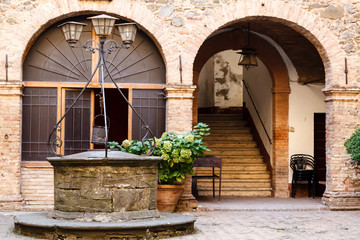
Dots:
{"x": 89, "y": 187}
{"x": 104, "y": 198}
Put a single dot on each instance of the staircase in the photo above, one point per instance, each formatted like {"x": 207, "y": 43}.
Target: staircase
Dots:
{"x": 244, "y": 172}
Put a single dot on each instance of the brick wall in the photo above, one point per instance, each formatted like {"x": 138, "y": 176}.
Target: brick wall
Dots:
{"x": 37, "y": 185}
{"x": 10, "y": 125}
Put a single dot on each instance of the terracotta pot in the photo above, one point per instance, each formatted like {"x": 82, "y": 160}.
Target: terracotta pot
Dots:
{"x": 168, "y": 197}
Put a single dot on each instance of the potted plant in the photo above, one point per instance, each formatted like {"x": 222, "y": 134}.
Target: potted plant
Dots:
{"x": 178, "y": 151}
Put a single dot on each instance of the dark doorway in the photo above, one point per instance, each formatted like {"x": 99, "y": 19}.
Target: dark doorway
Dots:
{"x": 319, "y": 151}
{"x": 117, "y": 111}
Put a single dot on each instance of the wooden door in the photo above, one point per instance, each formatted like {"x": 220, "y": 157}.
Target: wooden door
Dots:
{"x": 319, "y": 151}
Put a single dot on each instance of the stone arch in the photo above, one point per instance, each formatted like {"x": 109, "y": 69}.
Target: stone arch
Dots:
{"x": 60, "y": 10}
{"x": 307, "y": 24}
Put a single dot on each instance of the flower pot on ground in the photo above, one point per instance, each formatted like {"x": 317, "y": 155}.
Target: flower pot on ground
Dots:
{"x": 168, "y": 197}
{"x": 179, "y": 151}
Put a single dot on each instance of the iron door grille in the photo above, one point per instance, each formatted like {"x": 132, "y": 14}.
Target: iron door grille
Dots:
{"x": 39, "y": 118}
{"x": 77, "y": 122}
{"x": 150, "y": 104}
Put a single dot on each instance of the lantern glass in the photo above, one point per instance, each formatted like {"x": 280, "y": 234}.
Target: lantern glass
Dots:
{"x": 127, "y": 32}
{"x": 248, "y": 58}
{"x": 72, "y": 31}
{"x": 103, "y": 24}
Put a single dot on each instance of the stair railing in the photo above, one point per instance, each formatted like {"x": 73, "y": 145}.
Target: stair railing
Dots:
{"x": 257, "y": 112}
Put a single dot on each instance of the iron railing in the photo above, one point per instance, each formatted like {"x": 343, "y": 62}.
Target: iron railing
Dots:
{"x": 257, "y": 112}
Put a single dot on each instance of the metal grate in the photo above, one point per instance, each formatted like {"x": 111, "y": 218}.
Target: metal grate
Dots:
{"x": 150, "y": 104}
{"x": 77, "y": 122}
{"x": 39, "y": 117}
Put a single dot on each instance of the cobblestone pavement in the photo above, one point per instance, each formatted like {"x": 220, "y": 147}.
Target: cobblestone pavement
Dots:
{"x": 248, "y": 225}
{"x": 277, "y": 225}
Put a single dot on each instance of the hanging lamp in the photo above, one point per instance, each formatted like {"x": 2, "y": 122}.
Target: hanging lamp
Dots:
{"x": 248, "y": 53}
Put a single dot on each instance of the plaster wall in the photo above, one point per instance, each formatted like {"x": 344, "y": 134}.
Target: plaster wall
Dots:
{"x": 220, "y": 81}
{"x": 304, "y": 101}
{"x": 206, "y": 85}
{"x": 259, "y": 83}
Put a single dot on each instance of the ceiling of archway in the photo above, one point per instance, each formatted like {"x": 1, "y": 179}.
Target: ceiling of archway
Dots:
{"x": 300, "y": 50}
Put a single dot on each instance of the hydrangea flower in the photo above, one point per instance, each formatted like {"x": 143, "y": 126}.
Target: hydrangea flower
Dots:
{"x": 126, "y": 143}
{"x": 157, "y": 143}
{"x": 185, "y": 153}
{"x": 165, "y": 156}
{"x": 175, "y": 153}
{"x": 167, "y": 146}
{"x": 189, "y": 138}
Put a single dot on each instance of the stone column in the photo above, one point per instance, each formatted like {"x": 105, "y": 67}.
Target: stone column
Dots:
{"x": 280, "y": 168}
{"x": 179, "y": 117}
{"x": 10, "y": 144}
{"x": 342, "y": 119}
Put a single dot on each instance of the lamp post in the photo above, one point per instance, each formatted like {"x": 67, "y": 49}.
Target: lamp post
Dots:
{"x": 103, "y": 26}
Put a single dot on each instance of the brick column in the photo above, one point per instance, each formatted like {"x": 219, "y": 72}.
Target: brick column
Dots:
{"x": 10, "y": 144}
{"x": 342, "y": 119}
{"x": 280, "y": 168}
{"x": 179, "y": 117}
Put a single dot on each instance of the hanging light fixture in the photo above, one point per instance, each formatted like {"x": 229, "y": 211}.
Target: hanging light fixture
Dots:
{"x": 127, "y": 32}
{"x": 248, "y": 54}
{"x": 103, "y": 24}
{"x": 72, "y": 31}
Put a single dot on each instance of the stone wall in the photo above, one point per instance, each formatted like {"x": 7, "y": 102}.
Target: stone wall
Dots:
{"x": 179, "y": 27}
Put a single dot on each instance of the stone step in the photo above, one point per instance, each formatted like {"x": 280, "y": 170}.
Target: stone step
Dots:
{"x": 230, "y": 131}
{"x": 235, "y": 183}
{"x": 221, "y": 137}
{"x": 238, "y": 167}
{"x": 244, "y": 172}
{"x": 241, "y": 160}
{"x": 237, "y": 174}
{"x": 214, "y": 141}
{"x": 239, "y": 192}
{"x": 220, "y": 117}
{"x": 244, "y": 167}
{"x": 240, "y": 152}
{"x": 226, "y": 124}
{"x": 221, "y": 144}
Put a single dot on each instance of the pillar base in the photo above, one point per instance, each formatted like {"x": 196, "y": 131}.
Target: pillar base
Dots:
{"x": 342, "y": 200}
{"x": 187, "y": 203}
{"x": 11, "y": 203}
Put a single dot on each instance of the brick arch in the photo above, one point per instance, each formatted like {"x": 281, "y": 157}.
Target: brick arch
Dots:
{"x": 237, "y": 39}
{"x": 281, "y": 89}
{"x": 304, "y": 22}
{"x": 60, "y": 10}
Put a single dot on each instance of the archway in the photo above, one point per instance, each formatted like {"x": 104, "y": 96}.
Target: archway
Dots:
{"x": 232, "y": 37}
{"x": 53, "y": 76}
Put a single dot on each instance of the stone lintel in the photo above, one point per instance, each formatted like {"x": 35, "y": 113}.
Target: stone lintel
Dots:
{"x": 11, "y": 88}
{"x": 342, "y": 94}
{"x": 342, "y": 200}
{"x": 180, "y": 91}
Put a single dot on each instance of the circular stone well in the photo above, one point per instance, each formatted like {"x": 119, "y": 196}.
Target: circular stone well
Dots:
{"x": 98, "y": 197}
{"x": 90, "y": 187}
